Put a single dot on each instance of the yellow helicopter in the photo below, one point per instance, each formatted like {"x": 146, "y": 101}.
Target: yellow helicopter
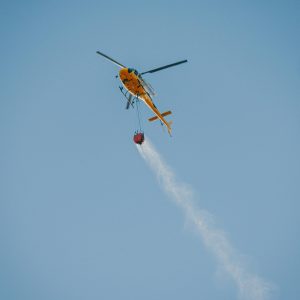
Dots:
{"x": 136, "y": 88}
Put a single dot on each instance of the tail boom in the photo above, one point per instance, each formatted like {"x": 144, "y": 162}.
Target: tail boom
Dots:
{"x": 158, "y": 115}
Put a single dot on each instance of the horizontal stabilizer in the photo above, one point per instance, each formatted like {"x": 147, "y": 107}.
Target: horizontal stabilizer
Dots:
{"x": 163, "y": 115}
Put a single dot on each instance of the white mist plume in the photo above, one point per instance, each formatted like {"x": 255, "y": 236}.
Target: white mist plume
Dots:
{"x": 250, "y": 286}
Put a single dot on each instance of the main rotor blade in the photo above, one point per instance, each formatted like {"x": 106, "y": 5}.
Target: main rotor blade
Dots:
{"x": 109, "y": 58}
{"x": 164, "y": 67}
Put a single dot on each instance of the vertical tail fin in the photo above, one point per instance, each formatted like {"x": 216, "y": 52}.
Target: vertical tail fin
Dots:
{"x": 169, "y": 127}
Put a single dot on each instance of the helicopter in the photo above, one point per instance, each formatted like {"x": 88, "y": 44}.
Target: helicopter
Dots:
{"x": 134, "y": 88}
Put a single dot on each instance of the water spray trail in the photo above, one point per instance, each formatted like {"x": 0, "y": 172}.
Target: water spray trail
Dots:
{"x": 250, "y": 286}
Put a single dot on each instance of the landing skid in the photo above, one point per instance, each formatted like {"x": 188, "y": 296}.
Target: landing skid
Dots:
{"x": 130, "y": 99}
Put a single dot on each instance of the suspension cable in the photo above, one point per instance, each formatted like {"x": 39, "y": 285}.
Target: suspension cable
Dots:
{"x": 138, "y": 113}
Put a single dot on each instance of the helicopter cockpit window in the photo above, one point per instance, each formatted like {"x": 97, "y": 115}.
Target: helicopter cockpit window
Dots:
{"x": 133, "y": 70}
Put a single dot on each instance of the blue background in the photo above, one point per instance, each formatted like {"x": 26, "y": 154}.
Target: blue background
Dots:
{"x": 81, "y": 215}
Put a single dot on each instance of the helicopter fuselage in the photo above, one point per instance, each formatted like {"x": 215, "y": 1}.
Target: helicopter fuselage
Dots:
{"x": 134, "y": 84}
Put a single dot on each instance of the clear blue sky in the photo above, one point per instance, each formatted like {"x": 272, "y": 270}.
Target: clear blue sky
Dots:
{"x": 81, "y": 215}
